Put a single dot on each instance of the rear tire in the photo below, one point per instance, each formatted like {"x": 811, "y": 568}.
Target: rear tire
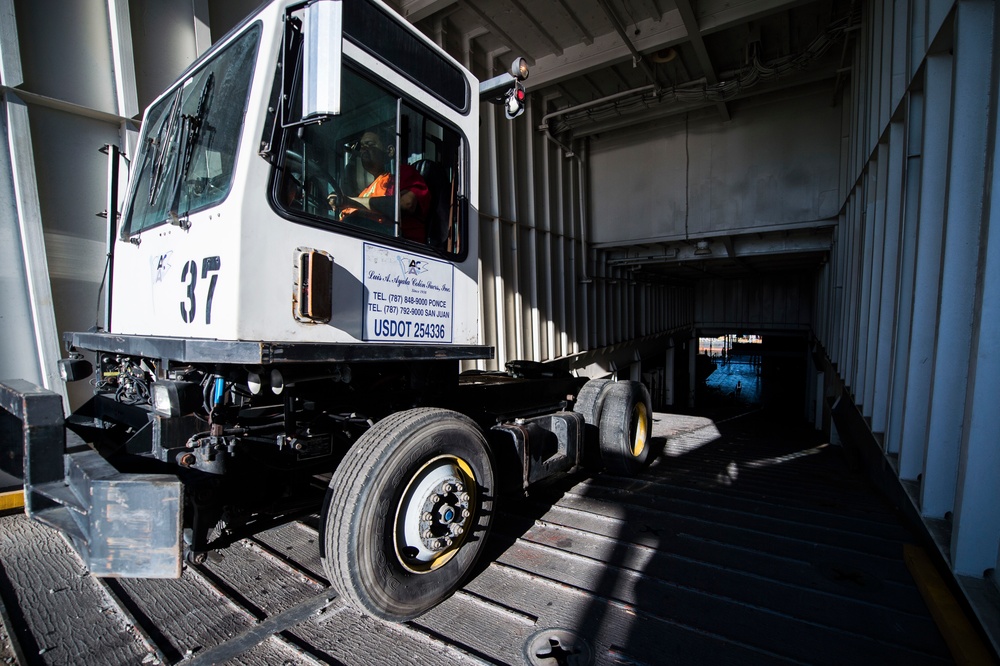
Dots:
{"x": 589, "y": 400}
{"x": 625, "y": 427}
{"x": 408, "y": 512}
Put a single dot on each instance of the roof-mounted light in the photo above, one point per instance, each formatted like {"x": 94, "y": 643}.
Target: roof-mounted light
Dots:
{"x": 519, "y": 69}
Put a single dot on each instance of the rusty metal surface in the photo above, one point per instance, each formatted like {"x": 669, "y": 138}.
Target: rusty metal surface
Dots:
{"x": 747, "y": 541}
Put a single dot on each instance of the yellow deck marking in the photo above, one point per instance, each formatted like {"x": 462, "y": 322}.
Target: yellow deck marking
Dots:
{"x": 10, "y": 500}
{"x": 966, "y": 646}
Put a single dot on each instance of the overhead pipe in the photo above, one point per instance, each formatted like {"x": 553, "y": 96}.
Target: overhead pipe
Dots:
{"x": 596, "y": 102}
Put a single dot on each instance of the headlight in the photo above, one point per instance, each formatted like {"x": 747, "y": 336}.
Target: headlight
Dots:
{"x": 172, "y": 398}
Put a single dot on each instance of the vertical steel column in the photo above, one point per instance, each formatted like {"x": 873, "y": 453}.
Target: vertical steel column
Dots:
{"x": 668, "y": 374}
{"x": 900, "y": 54}
{"x": 514, "y": 291}
{"x": 976, "y": 525}
{"x": 883, "y": 362}
{"x": 874, "y": 74}
{"x": 532, "y": 149}
{"x": 918, "y": 36}
{"x": 692, "y": 353}
{"x": 544, "y": 225}
{"x": 555, "y": 222}
{"x": 513, "y": 287}
{"x": 885, "y": 84}
{"x": 28, "y": 209}
{"x": 21, "y": 358}
{"x": 123, "y": 59}
{"x": 582, "y": 278}
{"x": 202, "y": 26}
{"x": 871, "y": 288}
{"x": 966, "y": 191}
{"x": 490, "y": 179}
{"x": 29, "y": 220}
{"x": 907, "y": 271}
{"x": 854, "y": 278}
{"x": 601, "y": 312}
{"x": 559, "y": 289}
{"x": 930, "y": 226}
{"x": 839, "y": 259}
{"x": 856, "y": 133}
{"x": 937, "y": 13}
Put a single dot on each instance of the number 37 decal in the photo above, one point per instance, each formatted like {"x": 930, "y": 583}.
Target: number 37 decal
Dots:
{"x": 189, "y": 276}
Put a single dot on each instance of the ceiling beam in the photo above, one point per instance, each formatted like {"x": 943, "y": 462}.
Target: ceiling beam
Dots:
{"x": 637, "y": 58}
{"x": 713, "y": 15}
{"x": 666, "y": 109}
{"x": 625, "y": 85}
{"x": 698, "y": 44}
{"x": 579, "y": 27}
{"x": 605, "y": 50}
{"x": 536, "y": 26}
{"x": 417, "y": 10}
{"x": 649, "y": 10}
{"x": 716, "y": 15}
{"x": 497, "y": 30}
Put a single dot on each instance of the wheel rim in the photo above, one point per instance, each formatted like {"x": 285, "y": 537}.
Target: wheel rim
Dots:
{"x": 434, "y": 514}
{"x": 640, "y": 436}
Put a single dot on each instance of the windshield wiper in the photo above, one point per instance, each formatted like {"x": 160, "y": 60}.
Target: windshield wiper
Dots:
{"x": 191, "y": 125}
{"x": 160, "y": 147}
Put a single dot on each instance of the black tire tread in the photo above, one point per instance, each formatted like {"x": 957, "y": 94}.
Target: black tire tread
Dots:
{"x": 619, "y": 400}
{"x": 590, "y": 399}
{"x": 352, "y": 478}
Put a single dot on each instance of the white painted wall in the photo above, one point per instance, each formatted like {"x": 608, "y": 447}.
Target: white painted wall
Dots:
{"x": 776, "y": 163}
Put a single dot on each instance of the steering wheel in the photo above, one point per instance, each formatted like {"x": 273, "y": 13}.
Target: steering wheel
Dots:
{"x": 316, "y": 181}
{"x": 336, "y": 198}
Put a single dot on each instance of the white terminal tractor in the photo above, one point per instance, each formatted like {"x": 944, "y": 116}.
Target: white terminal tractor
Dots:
{"x": 293, "y": 289}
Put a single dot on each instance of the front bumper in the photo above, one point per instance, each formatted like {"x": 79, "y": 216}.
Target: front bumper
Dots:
{"x": 127, "y": 525}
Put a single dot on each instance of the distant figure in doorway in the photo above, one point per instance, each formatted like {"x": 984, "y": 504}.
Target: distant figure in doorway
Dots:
{"x": 739, "y": 388}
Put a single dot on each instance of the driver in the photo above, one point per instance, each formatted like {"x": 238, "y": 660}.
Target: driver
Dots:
{"x": 379, "y": 197}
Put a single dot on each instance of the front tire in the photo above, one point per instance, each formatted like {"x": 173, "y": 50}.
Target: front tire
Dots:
{"x": 408, "y": 512}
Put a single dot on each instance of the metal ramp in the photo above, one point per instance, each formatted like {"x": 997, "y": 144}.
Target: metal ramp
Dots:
{"x": 748, "y": 541}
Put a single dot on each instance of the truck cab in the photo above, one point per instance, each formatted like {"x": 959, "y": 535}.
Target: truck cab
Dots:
{"x": 244, "y": 203}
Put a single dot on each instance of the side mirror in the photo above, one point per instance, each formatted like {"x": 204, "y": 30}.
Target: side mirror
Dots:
{"x": 322, "y": 52}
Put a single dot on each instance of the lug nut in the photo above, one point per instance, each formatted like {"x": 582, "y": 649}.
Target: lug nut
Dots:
{"x": 446, "y": 488}
{"x": 466, "y": 513}
{"x": 435, "y": 498}
{"x": 457, "y": 530}
{"x": 428, "y": 534}
{"x": 464, "y": 497}
{"x": 427, "y": 516}
{"x": 459, "y": 487}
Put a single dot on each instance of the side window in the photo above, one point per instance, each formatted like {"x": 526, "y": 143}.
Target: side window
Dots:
{"x": 380, "y": 167}
{"x": 190, "y": 138}
{"x": 433, "y": 150}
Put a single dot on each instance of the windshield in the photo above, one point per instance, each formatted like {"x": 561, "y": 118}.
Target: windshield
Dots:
{"x": 381, "y": 167}
{"x": 190, "y": 139}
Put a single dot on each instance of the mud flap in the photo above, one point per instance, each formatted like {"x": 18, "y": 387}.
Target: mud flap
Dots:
{"x": 126, "y": 525}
